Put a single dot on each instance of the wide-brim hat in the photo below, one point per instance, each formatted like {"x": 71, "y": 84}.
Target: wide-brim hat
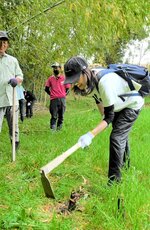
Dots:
{"x": 73, "y": 69}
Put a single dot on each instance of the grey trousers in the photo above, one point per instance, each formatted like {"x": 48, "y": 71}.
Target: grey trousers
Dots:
{"x": 119, "y": 146}
{"x": 7, "y": 111}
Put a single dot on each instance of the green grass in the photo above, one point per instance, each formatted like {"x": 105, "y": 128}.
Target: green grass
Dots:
{"x": 23, "y": 204}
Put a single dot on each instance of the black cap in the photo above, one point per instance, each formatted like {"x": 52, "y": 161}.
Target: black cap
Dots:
{"x": 56, "y": 64}
{"x": 73, "y": 69}
{"x": 4, "y": 35}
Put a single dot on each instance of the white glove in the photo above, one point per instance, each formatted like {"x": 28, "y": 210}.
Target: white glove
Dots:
{"x": 86, "y": 140}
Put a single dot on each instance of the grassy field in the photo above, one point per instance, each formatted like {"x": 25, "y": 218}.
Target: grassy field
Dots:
{"x": 23, "y": 204}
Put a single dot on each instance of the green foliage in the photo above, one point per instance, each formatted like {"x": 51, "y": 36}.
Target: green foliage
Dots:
{"x": 22, "y": 201}
{"x": 97, "y": 29}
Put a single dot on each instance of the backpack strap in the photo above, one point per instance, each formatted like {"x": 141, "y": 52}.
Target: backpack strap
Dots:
{"x": 129, "y": 95}
{"x": 101, "y": 73}
{"x": 122, "y": 73}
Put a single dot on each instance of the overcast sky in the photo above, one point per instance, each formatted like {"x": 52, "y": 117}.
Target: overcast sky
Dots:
{"x": 138, "y": 52}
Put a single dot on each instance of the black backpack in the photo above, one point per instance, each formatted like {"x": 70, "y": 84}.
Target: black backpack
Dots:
{"x": 131, "y": 72}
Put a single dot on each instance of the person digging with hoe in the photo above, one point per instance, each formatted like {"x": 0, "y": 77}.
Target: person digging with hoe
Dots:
{"x": 10, "y": 76}
{"x": 121, "y": 113}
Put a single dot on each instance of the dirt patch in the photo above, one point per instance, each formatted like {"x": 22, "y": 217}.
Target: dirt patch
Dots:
{"x": 147, "y": 104}
{"x": 39, "y": 108}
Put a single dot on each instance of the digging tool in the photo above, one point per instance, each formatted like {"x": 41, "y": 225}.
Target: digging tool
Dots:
{"x": 52, "y": 165}
{"x": 13, "y": 125}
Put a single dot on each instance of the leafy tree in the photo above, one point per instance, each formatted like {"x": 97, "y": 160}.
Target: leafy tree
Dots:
{"x": 92, "y": 28}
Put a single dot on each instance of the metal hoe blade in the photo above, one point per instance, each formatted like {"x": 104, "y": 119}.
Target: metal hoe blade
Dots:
{"x": 47, "y": 186}
{"x": 50, "y": 166}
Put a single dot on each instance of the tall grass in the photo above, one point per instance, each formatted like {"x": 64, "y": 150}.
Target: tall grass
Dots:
{"x": 23, "y": 204}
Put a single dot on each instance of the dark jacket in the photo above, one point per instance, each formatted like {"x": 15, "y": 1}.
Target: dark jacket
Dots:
{"x": 29, "y": 96}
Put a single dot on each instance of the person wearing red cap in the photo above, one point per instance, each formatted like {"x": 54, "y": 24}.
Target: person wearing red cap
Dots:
{"x": 121, "y": 112}
{"x": 10, "y": 75}
{"x": 57, "y": 91}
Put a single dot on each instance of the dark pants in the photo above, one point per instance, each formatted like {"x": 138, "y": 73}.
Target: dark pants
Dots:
{"x": 8, "y": 113}
{"x": 21, "y": 109}
{"x": 119, "y": 147}
{"x": 57, "y": 109}
{"x": 29, "y": 109}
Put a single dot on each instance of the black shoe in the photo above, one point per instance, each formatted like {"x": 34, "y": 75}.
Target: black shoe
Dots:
{"x": 53, "y": 127}
{"x": 17, "y": 143}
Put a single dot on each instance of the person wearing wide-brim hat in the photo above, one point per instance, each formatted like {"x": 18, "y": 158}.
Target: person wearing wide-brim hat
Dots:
{"x": 121, "y": 112}
{"x": 10, "y": 75}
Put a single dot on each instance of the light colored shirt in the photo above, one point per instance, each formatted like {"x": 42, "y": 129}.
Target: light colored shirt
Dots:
{"x": 9, "y": 68}
{"x": 20, "y": 92}
{"x": 111, "y": 86}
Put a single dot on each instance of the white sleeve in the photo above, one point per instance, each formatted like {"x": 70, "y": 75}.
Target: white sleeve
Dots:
{"x": 18, "y": 71}
{"x": 107, "y": 94}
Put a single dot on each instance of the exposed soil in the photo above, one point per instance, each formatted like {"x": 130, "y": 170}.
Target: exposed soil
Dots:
{"x": 39, "y": 108}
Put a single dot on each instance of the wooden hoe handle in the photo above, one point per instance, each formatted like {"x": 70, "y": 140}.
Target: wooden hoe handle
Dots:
{"x": 58, "y": 160}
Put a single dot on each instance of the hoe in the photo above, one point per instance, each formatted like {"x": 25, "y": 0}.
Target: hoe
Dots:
{"x": 45, "y": 170}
